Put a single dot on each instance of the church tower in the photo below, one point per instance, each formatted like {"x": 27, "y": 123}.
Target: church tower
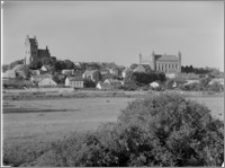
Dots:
{"x": 31, "y": 50}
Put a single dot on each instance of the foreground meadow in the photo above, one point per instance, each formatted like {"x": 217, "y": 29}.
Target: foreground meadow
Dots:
{"x": 43, "y": 121}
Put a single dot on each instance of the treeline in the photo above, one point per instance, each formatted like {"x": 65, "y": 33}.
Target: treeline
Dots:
{"x": 55, "y": 64}
{"x": 191, "y": 69}
{"x": 146, "y": 78}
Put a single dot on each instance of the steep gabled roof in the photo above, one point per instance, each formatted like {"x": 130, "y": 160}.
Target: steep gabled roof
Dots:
{"x": 87, "y": 73}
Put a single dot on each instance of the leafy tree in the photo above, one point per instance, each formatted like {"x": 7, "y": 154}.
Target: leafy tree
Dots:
{"x": 36, "y": 65}
{"x": 133, "y": 66}
{"x": 68, "y": 64}
{"x": 146, "y": 78}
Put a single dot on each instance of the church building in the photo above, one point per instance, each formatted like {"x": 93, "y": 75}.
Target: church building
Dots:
{"x": 32, "y": 52}
{"x": 164, "y": 63}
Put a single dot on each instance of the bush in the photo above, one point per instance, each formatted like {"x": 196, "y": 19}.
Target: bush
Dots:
{"x": 176, "y": 131}
{"x": 169, "y": 84}
{"x": 89, "y": 83}
{"x": 216, "y": 87}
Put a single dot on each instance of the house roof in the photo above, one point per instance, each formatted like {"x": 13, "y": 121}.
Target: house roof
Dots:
{"x": 104, "y": 85}
{"x": 166, "y": 58}
{"x": 47, "y": 81}
{"x": 142, "y": 68}
{"x": 46, "y": 68}
{"x": 90, "y": 72}
{"x": 104, "y": 72}
{"x": 42, "y": 76}
{"x": 75, "y": 78}
{"x": 19, "y": 67}
{"x": 112, "y": 81}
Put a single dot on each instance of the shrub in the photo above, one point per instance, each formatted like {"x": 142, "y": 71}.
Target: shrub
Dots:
{"x": 169, "y": 84}
{"x": 179, "y": 132}
{"x": 89, "y": 83}
{"x": 216, "y": 86}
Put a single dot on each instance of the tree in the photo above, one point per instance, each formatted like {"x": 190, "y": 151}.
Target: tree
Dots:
{"x": 133, "y": 66}
{"x": 37, "y": 64}
{"x": 68, "y": 64}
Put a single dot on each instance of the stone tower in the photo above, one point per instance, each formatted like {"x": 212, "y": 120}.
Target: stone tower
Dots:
{"x": 31, "y": 49}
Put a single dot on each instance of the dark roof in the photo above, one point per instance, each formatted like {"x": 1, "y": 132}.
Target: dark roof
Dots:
{"x": 43, "y": 53}
{"x": 166, "y": 58}
{"x": 75, "y": 78}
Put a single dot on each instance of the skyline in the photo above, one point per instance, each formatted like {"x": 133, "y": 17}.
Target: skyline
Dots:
{"x": 117, "y": 31}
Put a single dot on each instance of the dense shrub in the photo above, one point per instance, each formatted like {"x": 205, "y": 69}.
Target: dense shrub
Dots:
{"x": 169, "y": 84}
{"x": 180, "y": 132}
{"x": 192, "y": 87}
{"x": 159, "y": 130}
{"x": 216, "y": 86}
{"x": 130, "y": 86}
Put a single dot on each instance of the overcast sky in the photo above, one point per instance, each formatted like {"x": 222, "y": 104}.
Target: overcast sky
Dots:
{"x": 114, "y": 31}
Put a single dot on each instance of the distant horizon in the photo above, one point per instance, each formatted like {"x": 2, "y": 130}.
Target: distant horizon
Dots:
{"x": 117, "y": 31}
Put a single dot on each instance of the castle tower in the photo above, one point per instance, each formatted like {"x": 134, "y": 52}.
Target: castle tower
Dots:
{"x": 179, "y": 57}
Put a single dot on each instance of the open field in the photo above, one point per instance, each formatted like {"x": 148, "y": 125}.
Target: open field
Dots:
{"x": 61, "y": 116}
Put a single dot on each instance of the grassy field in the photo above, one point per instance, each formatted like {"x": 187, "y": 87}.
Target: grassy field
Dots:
{"x": 41, "y": 121}
{"x": 60, "y": 116}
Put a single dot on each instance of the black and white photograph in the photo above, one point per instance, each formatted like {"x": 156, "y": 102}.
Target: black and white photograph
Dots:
{"x": 112, "y": 83}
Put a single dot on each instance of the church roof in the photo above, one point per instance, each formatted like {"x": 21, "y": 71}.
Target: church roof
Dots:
{"x": 166, "y": 58}
{"x": 43, "y": 53}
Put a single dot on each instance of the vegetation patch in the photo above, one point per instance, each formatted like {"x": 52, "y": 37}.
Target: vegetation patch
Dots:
{"x": 158, "y": 130}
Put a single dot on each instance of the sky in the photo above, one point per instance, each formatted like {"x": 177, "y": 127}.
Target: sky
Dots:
{"x": 117, "y": 31}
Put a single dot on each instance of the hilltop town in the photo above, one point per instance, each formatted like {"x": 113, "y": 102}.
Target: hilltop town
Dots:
{"x": 39, "y": 69}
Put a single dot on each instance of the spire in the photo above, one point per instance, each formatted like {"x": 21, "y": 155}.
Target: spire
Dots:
{"x": 179, "y": 53}
{"x": 140, "y": 58}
